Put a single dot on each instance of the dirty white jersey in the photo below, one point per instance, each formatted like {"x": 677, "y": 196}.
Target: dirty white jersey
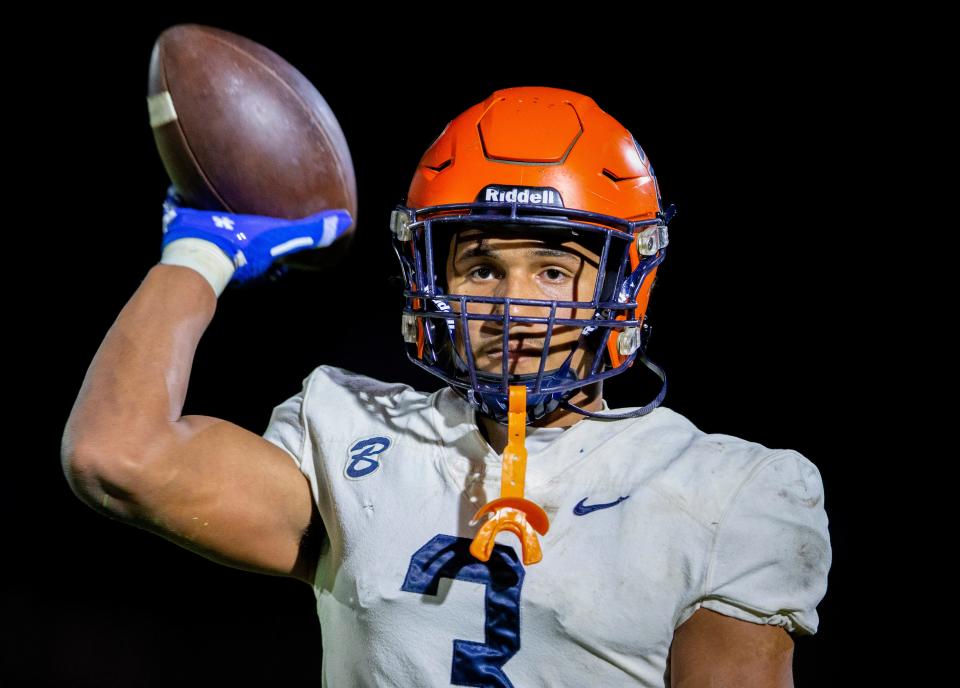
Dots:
{"x": 650, "y": 519}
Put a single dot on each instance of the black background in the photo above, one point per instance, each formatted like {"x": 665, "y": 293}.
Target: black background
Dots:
{"x": 756, "y": 317}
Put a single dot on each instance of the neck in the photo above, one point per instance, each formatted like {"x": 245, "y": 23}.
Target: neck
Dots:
{"x": 589, "y": 398}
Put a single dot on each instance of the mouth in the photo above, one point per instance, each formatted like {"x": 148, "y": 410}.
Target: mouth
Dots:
{"x": 514, "y": 352}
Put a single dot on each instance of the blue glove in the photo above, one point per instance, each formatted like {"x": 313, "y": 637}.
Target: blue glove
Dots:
{"x": 252, "y": 242}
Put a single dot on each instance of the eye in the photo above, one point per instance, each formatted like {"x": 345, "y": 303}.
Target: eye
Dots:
{"x": 554, "y": 274}
{"x": 482, "y": 272}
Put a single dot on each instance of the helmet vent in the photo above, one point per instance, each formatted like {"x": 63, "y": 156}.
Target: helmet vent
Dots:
{"x": 607, "y": 173}
{"x": 442, "y": 166}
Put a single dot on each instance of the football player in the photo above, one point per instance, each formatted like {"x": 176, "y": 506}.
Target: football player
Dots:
{"x": 647, "y": 552}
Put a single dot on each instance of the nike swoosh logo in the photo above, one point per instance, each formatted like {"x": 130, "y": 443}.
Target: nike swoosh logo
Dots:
{"x": 581, "y": 509}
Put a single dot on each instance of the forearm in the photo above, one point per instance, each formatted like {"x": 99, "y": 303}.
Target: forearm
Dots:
{"x": 137, "y": 382}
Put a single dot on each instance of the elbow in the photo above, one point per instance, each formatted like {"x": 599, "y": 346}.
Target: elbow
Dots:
{"x": 106, "y": 472}
{"x": 107, "y": 485}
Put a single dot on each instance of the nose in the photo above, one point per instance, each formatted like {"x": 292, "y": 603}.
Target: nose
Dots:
{"x": 517, "y": 287}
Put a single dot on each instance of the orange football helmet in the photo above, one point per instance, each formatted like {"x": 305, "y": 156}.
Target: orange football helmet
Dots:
{"x": 533, "y": 159}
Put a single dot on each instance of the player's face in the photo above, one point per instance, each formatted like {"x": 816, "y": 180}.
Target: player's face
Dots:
{"x": 500, "y": 264}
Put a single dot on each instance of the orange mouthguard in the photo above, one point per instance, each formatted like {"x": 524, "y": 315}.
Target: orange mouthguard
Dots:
{"x": 511, "y": 511}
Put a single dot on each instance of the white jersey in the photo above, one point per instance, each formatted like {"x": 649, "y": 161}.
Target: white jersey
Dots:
{"x": 650, "y": 519}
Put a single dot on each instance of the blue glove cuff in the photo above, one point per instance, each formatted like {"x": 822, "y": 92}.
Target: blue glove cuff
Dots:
{"x": 252, "y": 242}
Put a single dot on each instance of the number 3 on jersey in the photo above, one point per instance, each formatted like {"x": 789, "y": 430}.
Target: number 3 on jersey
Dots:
{"x": 446, "y": 556}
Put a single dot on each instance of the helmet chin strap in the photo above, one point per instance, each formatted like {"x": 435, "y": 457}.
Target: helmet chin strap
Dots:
{"x": 633, "y": 414}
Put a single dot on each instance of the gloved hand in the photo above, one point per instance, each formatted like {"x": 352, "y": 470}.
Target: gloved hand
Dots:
{"x": 251, "y": 242}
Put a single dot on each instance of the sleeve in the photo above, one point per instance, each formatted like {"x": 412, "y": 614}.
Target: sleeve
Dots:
{"x": 286, "y": 427}
{"x": 772, "y": 552}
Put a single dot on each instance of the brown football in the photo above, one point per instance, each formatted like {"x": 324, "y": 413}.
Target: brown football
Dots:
{"x": 240, "y": 129}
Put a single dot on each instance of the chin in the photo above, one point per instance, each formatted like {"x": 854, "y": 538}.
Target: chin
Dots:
{"x": 518, "y": 365}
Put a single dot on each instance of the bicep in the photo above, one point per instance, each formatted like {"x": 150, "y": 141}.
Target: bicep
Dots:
{"x": 711, "y": 649}
{"x": 228, "y": 494}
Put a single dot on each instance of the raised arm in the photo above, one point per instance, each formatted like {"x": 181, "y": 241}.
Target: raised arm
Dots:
{"x": 201, "y": 482}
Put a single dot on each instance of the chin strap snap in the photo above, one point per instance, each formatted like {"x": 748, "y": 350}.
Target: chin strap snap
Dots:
{"x": 511, "y": 511}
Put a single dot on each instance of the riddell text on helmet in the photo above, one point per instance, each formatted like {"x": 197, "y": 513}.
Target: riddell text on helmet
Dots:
{"x": 522, "y": 194}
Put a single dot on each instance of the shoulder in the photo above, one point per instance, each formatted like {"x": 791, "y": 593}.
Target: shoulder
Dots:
{"x": 355, "y": 382}
{"x": 339, "y": 400}
{"x": 330, "y": 384}
{"x": 703, "y": 471}
{"x": 669, "y": 442}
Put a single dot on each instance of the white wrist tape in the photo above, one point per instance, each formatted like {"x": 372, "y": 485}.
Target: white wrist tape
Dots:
{"x": 203, "y": 256}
